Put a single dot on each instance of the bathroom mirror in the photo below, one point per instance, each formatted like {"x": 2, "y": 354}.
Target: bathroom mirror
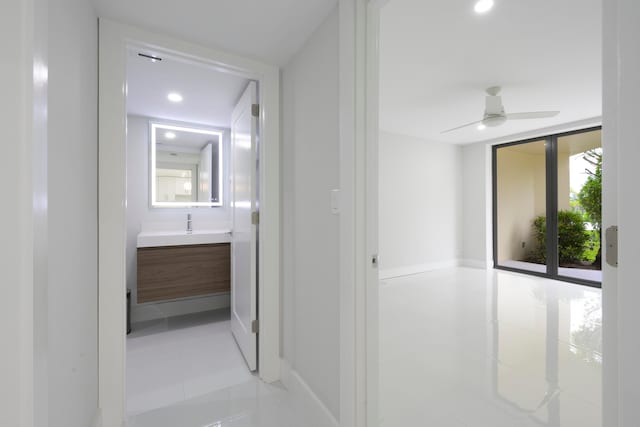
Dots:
{"x": 185, "y": 166}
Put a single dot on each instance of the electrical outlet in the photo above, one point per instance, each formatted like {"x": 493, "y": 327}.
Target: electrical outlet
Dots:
{"x": 523, "y": 244}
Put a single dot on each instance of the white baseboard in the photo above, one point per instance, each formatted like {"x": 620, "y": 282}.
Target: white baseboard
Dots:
{"x": 474, "y": 263}
{"x": 388, "y": 273}
{"x": 97, "y": 419}
{"x": 300, "y": 389}
{"x": 161, "y": 310}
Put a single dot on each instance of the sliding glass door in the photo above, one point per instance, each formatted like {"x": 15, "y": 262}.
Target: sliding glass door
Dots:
{"x": 547, "y": 206}
{"x": 580, "y": 205}
{"x": 521, "y": 203}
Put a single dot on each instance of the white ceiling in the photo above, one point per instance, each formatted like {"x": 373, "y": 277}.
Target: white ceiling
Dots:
{"x": 271, "y": 30}
{"x": 208, "y": 95}
{"x": 438, "y": 57}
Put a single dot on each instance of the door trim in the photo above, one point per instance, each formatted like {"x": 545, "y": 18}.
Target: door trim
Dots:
{"x": 358, "y": 227}
{"x": 114, "y": 39}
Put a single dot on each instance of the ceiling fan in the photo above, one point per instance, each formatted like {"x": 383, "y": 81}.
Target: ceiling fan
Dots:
{"x": 494, "y": 114}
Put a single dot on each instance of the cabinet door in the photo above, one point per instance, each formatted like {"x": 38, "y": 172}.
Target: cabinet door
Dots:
{"x": 171, "y": 272}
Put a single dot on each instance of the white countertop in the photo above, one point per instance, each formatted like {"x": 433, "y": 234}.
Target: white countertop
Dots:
{"x": 148, "y": 239}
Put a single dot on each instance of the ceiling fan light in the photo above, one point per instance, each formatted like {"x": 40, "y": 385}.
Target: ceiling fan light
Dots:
{"x": 494, "y": 121}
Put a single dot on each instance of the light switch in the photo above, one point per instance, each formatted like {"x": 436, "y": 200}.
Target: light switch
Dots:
{"x": 335, "y": 202}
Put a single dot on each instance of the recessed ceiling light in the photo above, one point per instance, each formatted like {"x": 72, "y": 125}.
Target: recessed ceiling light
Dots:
{"x": 174, "y": 97}
{"x": 482, "y": 126}
{"x": 483, "y": 6}
{"x": 169, "y": 135}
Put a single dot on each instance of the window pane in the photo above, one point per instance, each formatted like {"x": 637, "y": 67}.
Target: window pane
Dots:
{"x": 579, "y": 205}
{"x": 521, "y": 206}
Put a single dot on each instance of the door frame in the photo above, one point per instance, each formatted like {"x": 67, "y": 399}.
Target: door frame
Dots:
{"x": 358, "y": 128}
{"x": 114, "y": 40}
{"x": 620, "y": 202}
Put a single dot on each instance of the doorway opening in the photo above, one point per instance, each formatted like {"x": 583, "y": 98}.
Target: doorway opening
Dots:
{"x": 435, "y": 212}
{"x": 179, "y": 185}
{"x": 192, "y": 159}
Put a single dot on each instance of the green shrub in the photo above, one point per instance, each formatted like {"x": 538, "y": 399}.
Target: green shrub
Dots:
{"x": 573, "y": 238}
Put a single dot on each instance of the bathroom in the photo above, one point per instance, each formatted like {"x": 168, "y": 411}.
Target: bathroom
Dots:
{"x": 179, "y": 219}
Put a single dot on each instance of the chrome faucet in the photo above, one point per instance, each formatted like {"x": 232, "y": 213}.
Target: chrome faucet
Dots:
{"x": 189, "y": 227}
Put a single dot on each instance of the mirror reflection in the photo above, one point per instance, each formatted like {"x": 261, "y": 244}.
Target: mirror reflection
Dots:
{"x": 186, "y": 166}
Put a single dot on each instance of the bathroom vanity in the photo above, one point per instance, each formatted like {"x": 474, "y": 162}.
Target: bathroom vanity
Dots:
{"x": 174, "y": 265}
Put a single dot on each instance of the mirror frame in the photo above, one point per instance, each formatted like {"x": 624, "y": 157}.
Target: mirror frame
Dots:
{"x": 155, "y": 125}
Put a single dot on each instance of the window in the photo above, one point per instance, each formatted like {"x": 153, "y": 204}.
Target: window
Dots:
{"x": 547, "y": 206}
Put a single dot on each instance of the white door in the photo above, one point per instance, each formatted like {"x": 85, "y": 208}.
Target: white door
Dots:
{"x": 243, "y": 242}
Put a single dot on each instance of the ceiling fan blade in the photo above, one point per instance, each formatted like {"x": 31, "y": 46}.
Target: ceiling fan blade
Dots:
{"x": 532, "y": 115}
{"x": 463, "y": 126}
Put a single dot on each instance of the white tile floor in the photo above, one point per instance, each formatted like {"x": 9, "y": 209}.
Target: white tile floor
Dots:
{"x": 252, "y": 404}
{"x": 188, "y": 372}
{"x": 465, "y": 347}
{"x": 173, "y": 360}
{"x": 459, "y": 348}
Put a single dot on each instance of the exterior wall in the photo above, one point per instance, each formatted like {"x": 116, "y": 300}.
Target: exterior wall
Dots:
{"x": 521, "y": 197}
{"x": 564, "y": 187}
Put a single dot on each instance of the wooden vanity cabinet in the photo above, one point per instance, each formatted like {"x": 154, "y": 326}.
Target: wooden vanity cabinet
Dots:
{"x": 171, "y": 272}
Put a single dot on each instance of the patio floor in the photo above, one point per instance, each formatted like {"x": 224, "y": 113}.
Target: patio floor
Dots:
{"x": 576, "y": 273}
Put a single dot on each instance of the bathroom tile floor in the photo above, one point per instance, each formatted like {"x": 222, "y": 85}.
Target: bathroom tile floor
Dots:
{"x": 251, "y": 404}
{"x": 188, "y": 372}
{"x": 179, "y": 358}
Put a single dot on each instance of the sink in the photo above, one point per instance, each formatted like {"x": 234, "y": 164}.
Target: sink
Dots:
{"x": 148, "y": 239}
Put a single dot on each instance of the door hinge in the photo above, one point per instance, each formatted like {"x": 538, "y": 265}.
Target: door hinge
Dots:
{"x": 255, "y": 110}
{"x": 254, "y": 326}
{"x": 611, "y": 252}
{"x": 255, "y": 217}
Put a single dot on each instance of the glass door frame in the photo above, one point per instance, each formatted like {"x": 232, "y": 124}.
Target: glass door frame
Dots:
{"x": 551, "y": 189}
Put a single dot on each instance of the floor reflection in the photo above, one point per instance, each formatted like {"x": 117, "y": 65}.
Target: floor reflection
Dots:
{"x": 547, "y": 341}
{"x": 467, "y": 347}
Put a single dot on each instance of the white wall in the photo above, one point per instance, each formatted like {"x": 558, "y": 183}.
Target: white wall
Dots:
{"x": 49, "y": 70}
{"x": 73, "y": 213}
{"x": 23, "y": 217}
{"x": 12, "y": 70}
{"x": 140, "y": 216}
{"x": 420, "y": 205}
{"x": 477, "y": 209}
{"x": 310, "y": 169}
